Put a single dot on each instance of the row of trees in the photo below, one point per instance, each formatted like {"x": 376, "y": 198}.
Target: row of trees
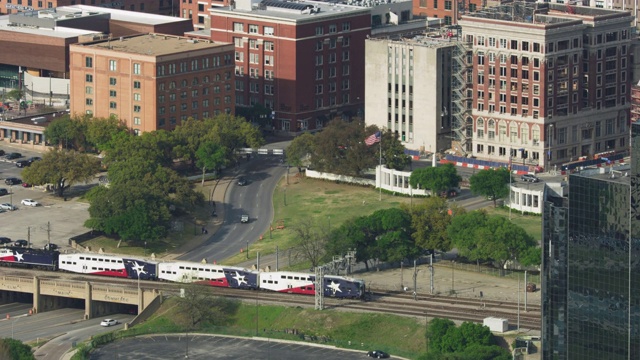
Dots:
{"x": 340, "y": 149}
{"x": 395, "y": 234}
{"x": 144, "y": 190}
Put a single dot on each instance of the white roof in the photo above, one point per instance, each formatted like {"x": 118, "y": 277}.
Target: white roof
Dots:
{"x": 58, "y": 31}
{"x": 124, "y": 15}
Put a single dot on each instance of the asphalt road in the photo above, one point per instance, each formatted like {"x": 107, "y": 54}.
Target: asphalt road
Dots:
{"x": 254, "y": 199}
{"x": 217, "y": 347}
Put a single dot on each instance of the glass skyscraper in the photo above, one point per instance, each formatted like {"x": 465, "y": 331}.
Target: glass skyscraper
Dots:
{"x": 591, "y": 265}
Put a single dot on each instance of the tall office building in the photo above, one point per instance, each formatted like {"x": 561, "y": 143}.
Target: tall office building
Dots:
{"x": 591, "y": 265}
{"x": 551, "y": 82}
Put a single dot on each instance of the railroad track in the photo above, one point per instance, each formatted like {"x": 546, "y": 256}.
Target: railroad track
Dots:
{"x": 398, "y": 303}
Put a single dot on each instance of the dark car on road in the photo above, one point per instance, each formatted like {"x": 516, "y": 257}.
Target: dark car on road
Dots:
{"x": 13, "y": 155}
{"x": 12, "y": 181}
{"x": 242, "y": 181}
{"x": 22, "y": 163}
{"x": 378, "y": 354}
{"x": 5, "y": 240}
{"x": 33, "y": 159}
{"x": 3, "y": 191}
{"x": 22, "y": 243}
{"x": 529, "y": 178}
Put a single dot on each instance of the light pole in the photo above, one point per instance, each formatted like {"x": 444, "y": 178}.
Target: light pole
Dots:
{"x": 549, "y": 136}
{"x": 145, "y": 248}
{"x": 12, "y": 323}
{"x": 285, "y": 196}
{"x": 453, "y": 266}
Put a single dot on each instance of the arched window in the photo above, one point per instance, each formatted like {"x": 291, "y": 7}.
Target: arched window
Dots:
{"x": 513, "y": 132}
{"x": 524, "y": 133}
{"x": 502, "y": 131}
{"x": 491, "y": 129}
{"x": 194, "y": 82}
{"x": 480, "y": 128}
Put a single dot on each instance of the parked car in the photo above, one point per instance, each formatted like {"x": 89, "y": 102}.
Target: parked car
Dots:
{"x": 51, "y": 247}
{"x": 33, "y": 159}
{"x": 529, "y": 178}
{"x": 5, "y": 240}
{"x": 12, "y": 181}
{"x": 109, "y": 322}
{"x": 244, "y": 219}
{"x": 21, "y": 243}
{"x": 22, "y": 163}
{"x": 29, "y": 202}
{"x": 7, "y": 206}
{"x": 13, "y": 155}
{"x": 3, "y": 191}
{"x": 242, "y": 181}
{"x": 378, "y": 354}
{"x": 2, "y": 152}
{"x": 26, "y": 185}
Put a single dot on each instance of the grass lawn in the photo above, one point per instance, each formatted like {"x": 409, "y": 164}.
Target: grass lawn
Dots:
{"x": 532, "y": 224}
{"x": 327, "y": 203}
{"x": 401, "y": 336}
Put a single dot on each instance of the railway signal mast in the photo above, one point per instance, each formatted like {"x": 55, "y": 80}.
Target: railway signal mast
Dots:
{"x": 333, "y": 268}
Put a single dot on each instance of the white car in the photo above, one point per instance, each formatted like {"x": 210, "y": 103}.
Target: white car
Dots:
{"x": 109, "y": 322}
{"x": 7, "y": 206}
{"x": 29, "y": 202}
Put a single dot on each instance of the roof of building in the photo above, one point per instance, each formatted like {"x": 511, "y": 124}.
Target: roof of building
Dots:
{"x": 297, "y": 11}
{"x": 123, "y": 15}
{"x": 56, "y": 31}
{"x": 617, "y": 173}
{"x": 431, "y": 38}
{"x": 153, "y": 44}
{"x": 543, "y": 13}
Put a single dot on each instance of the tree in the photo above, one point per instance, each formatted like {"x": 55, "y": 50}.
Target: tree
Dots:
{"x": 502, "y": 241}
{"x": 300, "y": 150}
{"x": 436, "y": 332}
{"x": 464, "y": 231}
{"x": 491, "y": 183}
{"x": 531, "y": 257}
{"x": 393, "y": 151}
{"x": 352, "y": 234}
{"x": 429, "y": 221}
{"x": 210, "y": 156}
{"x": 156, "y": 146}
{"x": 437, "y": 179}
{"x": 62, "y": 168}
{"x": 392, "y": 231}
{"x": 233, "y": 133}
{"x": 311, "y": 240}
{"x": 188, "y": 137}
{"x": 65, "y": 132}
{"x": 11, "y": 349}
{"x": 202, "y": 308}
{"x": 99, "y": 131}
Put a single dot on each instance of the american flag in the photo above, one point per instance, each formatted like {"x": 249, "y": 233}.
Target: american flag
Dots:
{"x": 374, "y": 138}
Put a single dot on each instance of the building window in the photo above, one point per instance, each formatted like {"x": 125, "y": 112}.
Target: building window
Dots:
{"x": 346, "y": 26}
{"x": 136, "y": 84}
{"x": 88, "y": 62}
{"x": 88, "y": 90}
{"x": 253, "y": 29}
{"x": 136, "y": 69}
{"x": 268, "y": 30}
{"x": 113, "y": 65}
{"x": 112, "y": 93}
{"x": 319, "y": 45}
{"x": 89, "y": 101}
{"x": 238, "y": 27}
{"x": 88, "y": 78}
{"x": 136, "y": 121}
{"x": 333, "y": 28}
{"x": 319, "y": 30}
{"x": 137, "y": 97}
{"x": 113, "y": 105}
{"x": 447, "y": 5}
{"x": 112, "y": 81}
{"x": 268, "y": 46}
{"x": 136, "y": 108}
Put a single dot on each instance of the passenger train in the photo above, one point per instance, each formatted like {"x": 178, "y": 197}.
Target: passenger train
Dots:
{"x": 180, "y": 271}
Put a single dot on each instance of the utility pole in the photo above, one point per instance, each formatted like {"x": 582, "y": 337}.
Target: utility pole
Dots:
{"x": 29, "y": 236}
{"x": 415, "y": 280}
{"x": 431, "y": 270}
{"x": 49, "y": 233}
{"x": 277, "y": 258}
{"x": 401, "y": 275}
{"x": 525, "y": 291}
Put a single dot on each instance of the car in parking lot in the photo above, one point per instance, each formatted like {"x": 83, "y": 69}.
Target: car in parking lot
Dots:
{"x": 33, "y": 159}
{"x": 50, "y": 246}
{"x": 2, "y": 152}
{"x": 21, "y": 243}
{"x": 7, "y": 206}
{"x": 12, "y": 181}
{"x": 529, "y": 178}
{"x": 5, "y": 240}
{"x": 378, "y": 354}
{"x": 242, "y": 181}
{"x": 3, "y": 191}
{"x": 22, "y": 163}
{"x": 29, "y": 202}
{"x": 13, "y": 155}
{"x": 109, "y": 322}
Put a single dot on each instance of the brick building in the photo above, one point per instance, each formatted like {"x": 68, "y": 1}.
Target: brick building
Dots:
{"x": 152, "y": 81}
{"x": 449, "y": 10}
{"x": 303, "y": 60}
{"x": 551, "y": 83}
{"x": 161, "y": 7}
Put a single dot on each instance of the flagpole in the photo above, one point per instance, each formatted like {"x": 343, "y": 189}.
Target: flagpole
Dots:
{"x": 380, "y": 166}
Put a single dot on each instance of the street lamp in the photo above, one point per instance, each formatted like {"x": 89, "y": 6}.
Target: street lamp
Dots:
{"x": 145, "y": 248}
{"x": 453, "y": 266}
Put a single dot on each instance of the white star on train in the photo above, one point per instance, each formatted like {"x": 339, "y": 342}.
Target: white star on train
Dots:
{"x": 240, "y": 279}
{"x": 138, "y": 268}
{"x": 18, "y": 256}
{"x": 335, "y": 287}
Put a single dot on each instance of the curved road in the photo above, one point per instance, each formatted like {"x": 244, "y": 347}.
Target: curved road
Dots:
{"x": 254, "y": 199}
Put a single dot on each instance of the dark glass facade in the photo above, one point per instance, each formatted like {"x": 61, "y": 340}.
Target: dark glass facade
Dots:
{"x": 591, "y": 286}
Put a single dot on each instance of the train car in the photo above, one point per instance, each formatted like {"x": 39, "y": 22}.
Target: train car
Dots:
{"x": 109, "y": 265}
{"x": 301, "y": 283}
{"x": 208, "y": 274}
{"x": 29, "y": 258}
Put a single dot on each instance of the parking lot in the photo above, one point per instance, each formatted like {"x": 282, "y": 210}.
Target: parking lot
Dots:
{"x": 54, "y": 219}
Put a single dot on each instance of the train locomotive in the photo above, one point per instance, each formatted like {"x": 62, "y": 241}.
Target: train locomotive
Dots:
{"x": 181, "y": 271}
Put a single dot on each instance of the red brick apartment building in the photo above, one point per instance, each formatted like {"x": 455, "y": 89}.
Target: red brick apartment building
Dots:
{"x": 303, "y": 60}
{"x": 161, "y": 7}
{"x": 449, "y": 10}
{"x": 635, "y": 103}
{"x": 152, "y": 81}
{"x": 551, "y": 83}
